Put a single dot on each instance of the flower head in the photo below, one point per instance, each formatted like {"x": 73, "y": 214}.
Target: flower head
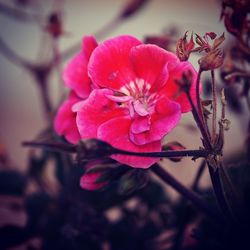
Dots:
{"x": 137, "y": 101}
{"x": 125, "y": 94}
{"x": 184, "y": 47}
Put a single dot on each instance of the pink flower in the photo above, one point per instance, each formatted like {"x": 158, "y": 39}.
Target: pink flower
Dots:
{"x": 65, "y": 120}
{"x": 76, "y": 78}
{"x": 136, "y": 102}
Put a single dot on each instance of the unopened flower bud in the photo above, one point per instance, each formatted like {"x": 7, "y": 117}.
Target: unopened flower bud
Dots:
{"x": 54, "y": 26}
{"x": 212, "y": 60}
{"x": 93, "y": 179}
{"x": 184, "y": 48}
{"x": 218, "y": 41}
{"x": 89, "y": 181}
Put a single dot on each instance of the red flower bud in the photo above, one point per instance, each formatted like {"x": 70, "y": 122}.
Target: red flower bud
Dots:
{"x": 92, "y": 178}
{"x": 212, "y": 60}
{"x": 89, "y": 181}
{"x": 184, "y": 47}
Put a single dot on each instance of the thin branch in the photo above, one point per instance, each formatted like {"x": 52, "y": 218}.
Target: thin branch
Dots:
{"x": 166, "y": 154}
{"x": 111, "y": 150}
{"x": 200, "y": 171}
{"x": 18, "y": 14}
{"x": 199, "y": 122}
{"x": 198, "y": 99}
{"x": 214, "y": 105}
{"x": 12, "y": 56}
{"x": 58, "y": 147}
{"x": 108, "y": 28}
{"x": 188, "y": 194}
{"x": 218, "y": 190}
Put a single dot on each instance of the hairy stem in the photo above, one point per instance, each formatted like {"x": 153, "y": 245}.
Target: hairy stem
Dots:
{"x": 214, "y": 105}
{"x": 202, "y": 166}
{"x": 199, "y": 123}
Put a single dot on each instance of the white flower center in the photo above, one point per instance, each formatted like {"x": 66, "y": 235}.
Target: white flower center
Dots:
{"x": 142, "y": 101}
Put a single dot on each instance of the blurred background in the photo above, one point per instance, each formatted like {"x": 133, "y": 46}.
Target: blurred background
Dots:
{"x": 32, "y": 34}
{"x": 21, "y": 114}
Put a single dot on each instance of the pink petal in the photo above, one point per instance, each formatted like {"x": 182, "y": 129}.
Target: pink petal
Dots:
{"x": 172, "y": 90}
{"x": 167, "y": 115}
{"x": 88, "y": 181}
{"x": 140, "y": 124}
{"x": 150, "y": 63}
{"x": 109, "y": 65}
{"x": 89, "y": 43}
{"x": 75, "y": 75}
{"x": 124, "y": 98}
{"x": 140, "y": 108}
{"x": 65, "y": 120}
{"x": 116, "y": 132}
{"x": 96, "y": 110}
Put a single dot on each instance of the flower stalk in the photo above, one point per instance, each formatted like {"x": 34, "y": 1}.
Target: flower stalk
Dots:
{"x": 188, "y": 194}
{"x": 196, "y": 153}
{"x": 214, "y": 106}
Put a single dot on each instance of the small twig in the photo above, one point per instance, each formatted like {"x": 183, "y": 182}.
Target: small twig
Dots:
{"x": 214, "y": 106}
{"x": 199, "y": 123}
{"x": 19, "y": 14}
{"x": 202, "y": 167}
{"x": 188, "y": 194}
{"x": 218, "y": 190}
{"x": 108, "y": 28}
{"x": 111, "y": 150}
{"x": 58, "y": 147}
{"x": 12, "y": 56}
{"x": 166, "y": 154}
{"x": 39, "y": 72}
{"x": 198, "y": 99}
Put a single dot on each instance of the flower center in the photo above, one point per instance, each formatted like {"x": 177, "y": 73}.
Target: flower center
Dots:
{"x": 136, "y": 97}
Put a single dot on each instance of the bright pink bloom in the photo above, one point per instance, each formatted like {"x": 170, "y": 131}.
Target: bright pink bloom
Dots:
{"x": 138, "y": 101}
{"x": 76, "y": 78}
{"x": 65, "y": 120}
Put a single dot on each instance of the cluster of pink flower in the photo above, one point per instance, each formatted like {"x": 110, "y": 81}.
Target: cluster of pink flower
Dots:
{"x": 125, "y": 93}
